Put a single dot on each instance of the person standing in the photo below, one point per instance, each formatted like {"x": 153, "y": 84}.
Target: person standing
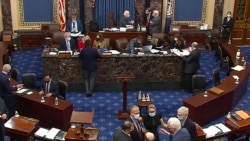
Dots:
{"x": 124, "y": 20}
{"x": 227, "y": 25}
{"x": 89, "y": 57}
{"x": 6, "y": 89}
{"x": 152, "y": 121}
{"x": 3, "y": 116}
{"x": 182, "y": 115}
{"x": 49, "y": 87}
{"x": 138, "y": 133}
{"x": 67, "y": 44}
{"x": 154, "y": 24}
{"x": 192, "y": 64}
{"x": 123, "y": 134}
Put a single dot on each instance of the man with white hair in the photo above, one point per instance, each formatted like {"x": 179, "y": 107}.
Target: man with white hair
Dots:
{"x": 177, "y": 133}
{"x": 154, "y": 24}
{"x": 149, "y": 136}
{"x": 6, "y": 89}
{"x": 192, "y": 65}
{"x": 124, "y": 20}
{"x": 182, "y": 114}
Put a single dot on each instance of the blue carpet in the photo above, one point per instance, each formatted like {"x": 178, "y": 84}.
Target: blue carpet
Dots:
{"x": 106, "y": 104}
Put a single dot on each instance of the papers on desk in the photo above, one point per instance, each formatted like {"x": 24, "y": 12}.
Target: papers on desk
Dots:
{"x": 51, "y": 134}
{"x": 216, "y": 129}
{"x": 154, "y": 51}
{"x": 24, "y": 91}
{"x": 164, "y": 52}
{"x": 76, "y": 34}
{"x": 236, "y": 77}
{"x": 238, "y": 68}
{"x": 179, "y": 53}
{"x": 52, "y": 53}
{"x": 115, "y": 52}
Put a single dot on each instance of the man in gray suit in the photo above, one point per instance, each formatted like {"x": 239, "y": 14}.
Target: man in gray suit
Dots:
{"x": 154, "y": 24}
{"x": 123, "y": 134}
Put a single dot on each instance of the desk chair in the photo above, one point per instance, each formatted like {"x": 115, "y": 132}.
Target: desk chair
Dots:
{"x": 107, "y": 40}
{"x": 29, "y": 80}
{"x": 111, "y": 19}
{"x": 63, "y": 88}
{"x": 121, "y": 44}
{"x": 216, "y": 76}
{"x": 198, "y": 83}
{"x": 14, "y": 74}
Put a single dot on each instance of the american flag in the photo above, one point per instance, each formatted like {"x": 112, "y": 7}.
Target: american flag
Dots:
{"x": 62, "y": 15}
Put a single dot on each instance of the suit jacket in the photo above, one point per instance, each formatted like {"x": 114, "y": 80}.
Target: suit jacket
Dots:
{"x": 123, "y": 21}
{"x": 181, "y": 135}
{"x": 190, "y": 126}
{"x": 69, "y": 26}
{"x": 89, "y": 57}
{"x": 133, "y": 43}
{"x": 135, "y": 135}
{"x": 154, "y": 26}
{"x": 119, "y": 135}
{"x": 3, "y": 110}
{"x": 63, "y": 45}
{"x": 53, "y": 87}
{"x": 6, "y": 93}
{"x": 228, "y": 25}
{"x": 192, "y": 61}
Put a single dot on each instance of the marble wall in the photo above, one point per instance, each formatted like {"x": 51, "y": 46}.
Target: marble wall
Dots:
{"x": 6, "y": 13}
{"x": 218, "y": 11}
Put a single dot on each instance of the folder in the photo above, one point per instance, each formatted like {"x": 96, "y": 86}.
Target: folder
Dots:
{"x": 242, "y": 114}
{"x": 216, "y": 91}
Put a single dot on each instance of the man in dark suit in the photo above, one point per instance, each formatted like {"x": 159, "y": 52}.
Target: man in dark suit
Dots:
{"x": 177, "y": 133}
{"x": 135, "y": 45}
{"x": 3, "y": 116}
{"x": 89, "y": 57}
{"x": 227, "y": 25}
{"x": 192, "y": 64}
{"x": 124, "y": 20}
{"x": 123, "y": 134}
{"x": 67, "y": 44}
{"x": 154, "y": 25}
{"x": 182, "y": 114}
{"x": 6, "y": 89}
{"x": 138, "y": 133}
{"x": 74, "y": 25}
{"x": 49, "y": 87}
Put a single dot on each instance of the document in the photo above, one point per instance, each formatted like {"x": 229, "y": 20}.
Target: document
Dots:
{"x": 216, "y": 130}
{"x": 238, "y": 68}
{"x": 21, "y": 91}
{"x": 52, "y": 133}
{"x": 114, "y": 51}
{"x": 41, "y": 132}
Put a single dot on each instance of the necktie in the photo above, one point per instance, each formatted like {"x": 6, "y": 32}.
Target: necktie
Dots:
{"x": 68, "y": 45}
{"x": 46, "y": 88}
{"x": 138, "y": 127}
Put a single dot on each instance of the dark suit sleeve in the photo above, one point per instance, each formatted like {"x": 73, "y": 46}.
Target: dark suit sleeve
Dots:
{"x": 54, "y": 88}
{"x": 79, "y": 25}
{"x": 61, "y": 45}
{"x": 3, "y": 108}
{"x": 190, "y": 57}
{"x": 68, "y": 26}
{"x": 73, "y": 45}
{"x": 155, "y": 21}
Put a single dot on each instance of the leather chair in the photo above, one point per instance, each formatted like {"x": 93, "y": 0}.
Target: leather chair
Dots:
{"x": 198, "y": 83}
{"x": 57, "y": 36}
{"x": 111, "y": 21}
{"x": 29, "y": 80}
{"x": 107, "y": 40}
{"x": 63, "y": 88}
{"x": 216, "y": 76}
{"x": 50, "y": 28}
{"x": 160, "y": 36}
{"x": 3, "y": 49}
{"x": 121, "y": 44}
{"x": 14, "y": 74}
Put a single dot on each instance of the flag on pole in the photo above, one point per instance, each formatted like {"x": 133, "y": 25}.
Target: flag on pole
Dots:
{"x": 62, "y": 15}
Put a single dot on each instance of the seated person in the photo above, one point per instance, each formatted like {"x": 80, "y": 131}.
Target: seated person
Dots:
{"x": 124, "y": 20}
{"x": 81, "y": 43}
{"x": 49, "y": 87}
{"x": 67, "y": 44}
{"x": 177, "y": 43}
{"x": 135, "y": 45}
{"x": 74, "y": 25}
{"x": 99, "y": 43}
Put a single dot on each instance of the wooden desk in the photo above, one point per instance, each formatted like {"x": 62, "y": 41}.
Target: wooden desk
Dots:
{"x": 73, "y": 134}
{"x": 21, "y": 127}
{"x": 82, "y": 117}
{"x": 206, "y": 109}
{"x": 49, "y": 114}
{"x": 118, "y": 35}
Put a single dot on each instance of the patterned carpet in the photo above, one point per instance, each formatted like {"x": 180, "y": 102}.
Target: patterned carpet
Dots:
{"x": 106, "y": 104}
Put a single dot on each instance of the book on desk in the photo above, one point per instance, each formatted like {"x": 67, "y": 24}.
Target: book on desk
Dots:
{"x": 50, "y": 134}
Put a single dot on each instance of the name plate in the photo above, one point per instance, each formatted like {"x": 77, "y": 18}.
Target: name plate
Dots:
{"x": 64, "y": 54}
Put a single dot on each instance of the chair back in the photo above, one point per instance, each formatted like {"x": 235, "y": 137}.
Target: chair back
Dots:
{"x": 107, "y": 40}
{"x": 111, "y": 20}
{"x": 216, "y": 76}
{"x": 29, "y": 80}
{"x": 63, "y": 88}
{"x": 160, "y": 36}
{"x": 121, "y": 44}
{"x": 50, "y": 28}
{"x": 57, "y": 36}
{"x": 14, "y": 74}
{"x": 198, "y": 83}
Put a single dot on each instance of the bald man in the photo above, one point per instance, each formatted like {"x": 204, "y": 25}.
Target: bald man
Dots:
{"x": 149, "y": 136}
{"x": 154, "y": 24}
{"x": 124, "y": 20}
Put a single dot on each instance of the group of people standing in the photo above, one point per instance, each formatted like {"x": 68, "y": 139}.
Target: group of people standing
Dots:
{"x": 146, "y": 127}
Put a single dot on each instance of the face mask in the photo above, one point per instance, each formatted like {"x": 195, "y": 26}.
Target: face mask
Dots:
{"x": 228, "y": 15}
{"x": 152, "y": 114}
{"x": 180, "y": 118}
{"x": 175, "y": 39}
{"x": 136, "y": 116}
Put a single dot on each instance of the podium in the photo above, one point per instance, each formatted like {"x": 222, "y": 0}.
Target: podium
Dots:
{"x": 124, "y": 113}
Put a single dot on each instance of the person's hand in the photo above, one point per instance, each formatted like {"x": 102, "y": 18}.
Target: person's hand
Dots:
{"x": 48, "y": 95}
{"x": 41, "y": 92}
{"x": 164, "y": 132}
{"x": 132, "y": 22}
{"x": 3, "y": 116}
{"x": 19, "y": 85}
{"x": 144, "y": 130}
